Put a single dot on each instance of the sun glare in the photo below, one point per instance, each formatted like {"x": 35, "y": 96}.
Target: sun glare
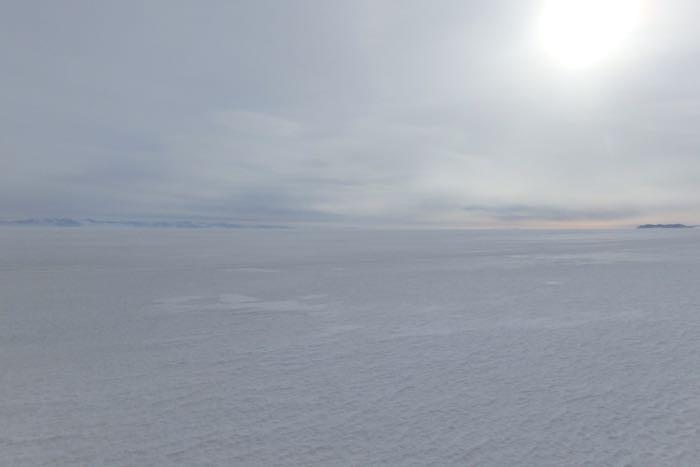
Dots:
{"x": 583, "y": 33}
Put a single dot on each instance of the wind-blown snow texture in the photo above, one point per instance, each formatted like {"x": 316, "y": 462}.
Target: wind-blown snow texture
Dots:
{"x": 132, "y": 347}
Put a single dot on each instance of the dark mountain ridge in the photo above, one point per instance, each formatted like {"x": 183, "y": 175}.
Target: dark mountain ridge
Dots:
{"x": 665, "y": 226}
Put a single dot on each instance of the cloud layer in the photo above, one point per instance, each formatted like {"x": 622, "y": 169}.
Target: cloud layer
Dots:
{"x": 365, "y": 112}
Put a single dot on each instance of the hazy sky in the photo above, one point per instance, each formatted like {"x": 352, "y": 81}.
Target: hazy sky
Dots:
{"x": 400, "y": 112}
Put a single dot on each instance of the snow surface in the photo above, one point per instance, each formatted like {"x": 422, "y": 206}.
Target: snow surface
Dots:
{"x": 257, "y": 348}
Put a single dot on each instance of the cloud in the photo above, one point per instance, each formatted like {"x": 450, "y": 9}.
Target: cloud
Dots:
{"x": 363, "y": 112}
{"x": 516, "y": 213}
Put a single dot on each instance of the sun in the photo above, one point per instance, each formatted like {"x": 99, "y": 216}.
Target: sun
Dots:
{"x": 583, "y": 33}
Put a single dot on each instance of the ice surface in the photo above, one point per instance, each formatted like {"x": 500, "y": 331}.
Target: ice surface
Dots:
{"x": 256, "y": 348}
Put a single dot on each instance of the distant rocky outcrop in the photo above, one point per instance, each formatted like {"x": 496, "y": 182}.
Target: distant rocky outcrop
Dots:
{"x": 665, "y": 226}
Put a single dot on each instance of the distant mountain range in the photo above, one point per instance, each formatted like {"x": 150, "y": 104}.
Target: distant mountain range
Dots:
{"x": 665, "y": 226}
{"x": 178, "y": 224}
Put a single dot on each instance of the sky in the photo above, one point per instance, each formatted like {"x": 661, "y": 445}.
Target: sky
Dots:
{"x": 489, "y": 113}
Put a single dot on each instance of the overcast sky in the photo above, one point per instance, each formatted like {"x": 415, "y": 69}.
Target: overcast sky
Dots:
{"x": 359, "y": 112}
